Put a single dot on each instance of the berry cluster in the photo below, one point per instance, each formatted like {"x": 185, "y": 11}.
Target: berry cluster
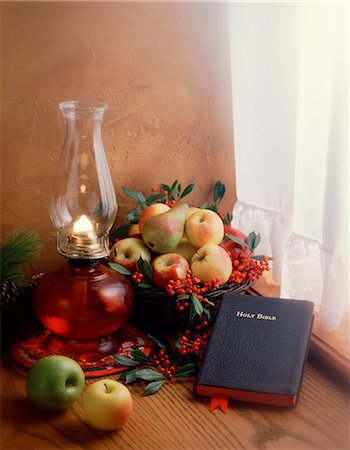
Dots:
{"x": 163, "y": 364}
{"x": 190, "y": 345}
{"x": 190, "y": 285}
{"x": 245, "y": 268}
{"x": 137, "y": 277}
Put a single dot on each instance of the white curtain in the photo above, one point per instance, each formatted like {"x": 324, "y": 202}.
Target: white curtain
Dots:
{"x": 290, "y": 110}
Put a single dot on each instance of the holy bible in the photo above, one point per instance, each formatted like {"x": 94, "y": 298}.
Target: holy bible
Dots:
{"x": 257, "y": 350}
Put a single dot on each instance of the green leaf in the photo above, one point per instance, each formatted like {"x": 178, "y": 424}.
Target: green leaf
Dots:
{"x": 149, "y": 375}
{"x": 128, "y": 376}
{"x": 210, "y": 303}
{"x": 188, "y": 189}
{"x": 185, "y": 371}
{"x": 146, "y": 269}
{"x": 120, "y": 232}
{"x": 118, "y": 268}
{"x": 138, "y": 355}
{"x": 253, "y": 240}
{"x": 134, "y": 215}
{"x": 131, "y": 377}
{"x": 198, "y": 307}
{"x": 173, "y": 186}
{"x": 237, "y": 240}
{"x": 144, "y": 285}
{"x": 132, "y": 194}
{"x": 159, "y": 343}
{"x": 154, "y": 197}
{"x": 192, "y": 313}
{"x": 153, "y": 387}
{"x": 180, "y": 297}
{"x": 219, "y": 191}
{"x": 165, "y": 187}
{"x": 125, "y": 361}
{"x": 260, "y": 257}
{"x": 207, "y": 313}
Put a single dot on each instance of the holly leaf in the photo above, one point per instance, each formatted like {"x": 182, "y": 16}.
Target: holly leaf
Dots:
{"x": 188, "y": 189}
{"x": 144, "y": 285}
{"x": 134, "y": 215}
{"x": 149, "y": 375}
{"x": 122, "y": 231}
{"x": 253, "y": 240}
{"x": 219, "y": 191}
{"x": 261, "y": 257}
{"x": 188, "y": 370}
{"x": 165, "y": 187}
{"x": 207, "y": 313}
{"x": 237, "y": 240}
{"x": 118, "y": 268}
{"x": 159, "y": 343}
{"x": 180, "y": 297}
{"x": 154, "y": 197}
{"x": 153, "y": 387}
{"x": 198, "y": 307}
{"x": 129, "y": 376}
{"x": 146, "y": 269}
{"x": 138, "y": 355}
{"x": 125, "y": 361}
{"x": 173, "y": 186}
{"x": 135, "y": 195}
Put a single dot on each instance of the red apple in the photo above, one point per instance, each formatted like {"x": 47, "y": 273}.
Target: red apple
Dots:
{"x": 169, "y": 266}
{"x": 211, "y": 261}
{"x": 204, "y": 227}
{"x": 234, "y": 248}
{"x": 128, "y": 251}
{"x": 152, "y": 210}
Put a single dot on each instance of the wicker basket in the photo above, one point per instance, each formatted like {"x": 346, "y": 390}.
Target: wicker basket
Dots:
{"x": 155, "y": 312}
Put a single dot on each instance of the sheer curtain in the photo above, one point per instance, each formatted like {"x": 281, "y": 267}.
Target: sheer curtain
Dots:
{"x": 290, "y": 110}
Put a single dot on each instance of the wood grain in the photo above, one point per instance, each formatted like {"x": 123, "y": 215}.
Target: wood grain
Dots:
{"x": 175, "y": 419}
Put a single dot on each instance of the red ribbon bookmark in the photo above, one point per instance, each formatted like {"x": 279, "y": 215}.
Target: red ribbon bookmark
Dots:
{"x": 219, "y": 402}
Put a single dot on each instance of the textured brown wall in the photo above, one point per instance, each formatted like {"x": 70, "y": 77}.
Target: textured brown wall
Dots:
{"x": 163, "y": 69}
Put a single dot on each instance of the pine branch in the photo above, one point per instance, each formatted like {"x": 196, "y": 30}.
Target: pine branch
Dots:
{"x": 16, "y": 252}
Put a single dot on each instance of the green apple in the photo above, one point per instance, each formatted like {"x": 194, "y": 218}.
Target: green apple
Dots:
{"x": 55, "y": 382}
{"x": 107, "y": 405}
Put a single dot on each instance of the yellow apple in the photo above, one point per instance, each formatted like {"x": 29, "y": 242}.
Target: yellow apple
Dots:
{"x": 185, "y": 249}
{"x": 204, "y": 227}
{"x": 152, "y": 210}
{"x": 134, "y": 230}
{"x": 191, "y": 210}
{"x": 211, "y": 261}
{"x": 128, "y": 251}
{"x": 107, "y": 405}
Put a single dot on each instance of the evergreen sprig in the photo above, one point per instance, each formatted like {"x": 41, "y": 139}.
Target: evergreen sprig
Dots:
{"x": 19, "y": 250}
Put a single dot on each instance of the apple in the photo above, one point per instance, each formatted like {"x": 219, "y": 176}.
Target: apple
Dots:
{"x": 107, "y": 405}
{"x": 169, "y": 266}
{"x": 204, "y": 227}
{"x": 152, "y": 210}
{"x": 211, "y": 261}
{"x": 128, "y": 251}
{"x": 232, "y": 247}
{"x": 191, "y": 210}
{"x": 185, "y": 249}
{"x": 55, "y": 382}
{"x": 134, "y": 230}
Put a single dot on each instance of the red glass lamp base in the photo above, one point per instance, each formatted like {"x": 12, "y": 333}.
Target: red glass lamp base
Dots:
{"x": 82, "y": 304}
{"x": 83, "y": 349}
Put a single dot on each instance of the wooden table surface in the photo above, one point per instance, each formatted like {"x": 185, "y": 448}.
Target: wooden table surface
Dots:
{"x": 175, "y": 419}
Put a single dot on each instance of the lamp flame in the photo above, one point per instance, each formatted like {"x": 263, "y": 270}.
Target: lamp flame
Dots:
{"x": 83, "y": 225}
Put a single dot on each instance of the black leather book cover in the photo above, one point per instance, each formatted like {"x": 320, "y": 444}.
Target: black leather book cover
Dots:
{"x": 257, "y": 350}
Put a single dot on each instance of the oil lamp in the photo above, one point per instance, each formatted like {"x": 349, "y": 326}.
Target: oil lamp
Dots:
{"x": 83, "y": 303}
